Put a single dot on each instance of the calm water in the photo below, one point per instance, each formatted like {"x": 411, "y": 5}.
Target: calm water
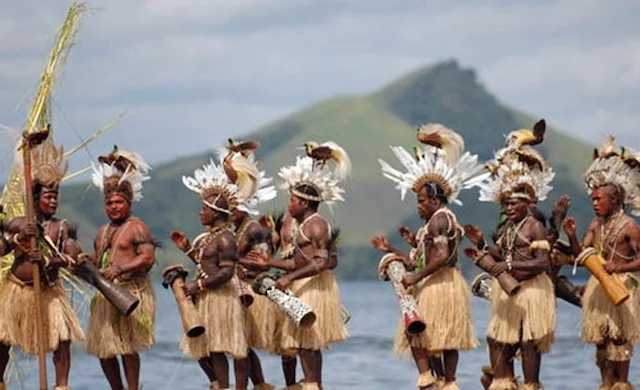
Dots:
{"x": 364, "y": 361}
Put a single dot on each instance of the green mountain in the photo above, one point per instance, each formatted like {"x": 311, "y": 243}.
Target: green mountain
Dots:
{"x": 365, "y": 126}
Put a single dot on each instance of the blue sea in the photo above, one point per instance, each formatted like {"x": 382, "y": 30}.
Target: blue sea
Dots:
{"x": 364, "y": 361}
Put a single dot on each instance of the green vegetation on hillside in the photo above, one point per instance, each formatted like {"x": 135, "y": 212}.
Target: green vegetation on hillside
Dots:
{"x": 365, "y": 126}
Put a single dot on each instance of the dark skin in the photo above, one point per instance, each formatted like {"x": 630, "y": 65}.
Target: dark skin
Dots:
{"x": 607, "y": 206}
{"x": 526, "y": 264}
{"x": 309, "y": 259}
{"x": 132, "y": 255}
{"x": 251, "y": 364}
{"x": 281, "y": 240}
{"x": 438, "y": 255}
{"x": 57, "y": 230}
{"x": 219, "y": 258}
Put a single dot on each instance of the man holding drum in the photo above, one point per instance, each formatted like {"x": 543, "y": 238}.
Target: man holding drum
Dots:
{"x": 614, "y": 238}
{"x": 436, "y": 174}
{"x": 124, "y": 253}
{"x": 224, "y": 189}
{"x": 523, "y": 315}
{"x": 260, "y": 316}
{"x": 311, "y": 181}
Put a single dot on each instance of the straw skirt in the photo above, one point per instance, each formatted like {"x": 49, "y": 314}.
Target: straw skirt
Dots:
{"x": 18, "y": 317}
{"x": 529, "y": 315}
{"x": 444, "y": 301}
{"x": 223, "y": 315}
{"x": 111, "y": 334}
{"x": 602, "y": 320}
{"x": 321, "y": 292}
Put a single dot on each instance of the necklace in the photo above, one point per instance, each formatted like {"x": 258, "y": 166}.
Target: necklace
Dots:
{"x": 604, "y": 235}
{"x": 212, "y": 234}
{"x": 511, "y": 236}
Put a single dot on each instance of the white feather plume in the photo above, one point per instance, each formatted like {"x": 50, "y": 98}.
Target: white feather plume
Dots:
{"x": 512, "y": 174}
{"x": 610, "y": 168}
{"x": 305, "y": 171}
{"x": 135, "y": 178}
{"x": 461, "y": 173}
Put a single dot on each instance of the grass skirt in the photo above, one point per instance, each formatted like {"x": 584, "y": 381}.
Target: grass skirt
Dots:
{"x": 529, "y": 315}
{"x": 111, "y": 334}
{"x": 261, "y": 321}
{"x": 321, "y": 292}
{"x": 444, "y": 301}
{"x": 223, "y": 315}
{"x": 18, "y": 314}
{"x": 602, "y": 320}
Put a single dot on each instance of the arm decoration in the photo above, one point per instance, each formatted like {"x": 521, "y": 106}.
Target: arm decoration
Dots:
{"x": 542, "y": 245}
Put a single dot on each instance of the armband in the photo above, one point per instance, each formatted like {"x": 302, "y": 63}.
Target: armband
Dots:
{"x": 542, "y": 245}
{"x": 440, "y": 239}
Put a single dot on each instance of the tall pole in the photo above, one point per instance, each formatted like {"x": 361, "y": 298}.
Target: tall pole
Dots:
{"x": 30, "y": 140}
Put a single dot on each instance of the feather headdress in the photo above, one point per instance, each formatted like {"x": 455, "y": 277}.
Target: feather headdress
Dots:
{"x": 441, "y": 161}
{"x": 121, "y": 171}
{"x": 49, "y": 167}
{"x": 312, "y": 170}
{"x": 617, "y": 167}
{"x": 253, "y": 185}
{"x": 518, "y": 170}
{"x": 236, "y": 179}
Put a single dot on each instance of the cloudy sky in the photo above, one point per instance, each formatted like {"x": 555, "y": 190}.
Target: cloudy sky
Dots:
{"x": 190, "y": 73}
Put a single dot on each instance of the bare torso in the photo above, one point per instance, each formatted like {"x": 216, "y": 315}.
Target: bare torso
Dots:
{"x": 309, "y": 236}
{"x": 124, "y": 245}
{"x": 59, "y": 233}
{"x": 515, "y": 244}
{"x": 616, "y": 238}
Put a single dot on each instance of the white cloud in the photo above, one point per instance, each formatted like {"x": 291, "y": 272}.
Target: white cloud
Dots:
{"x": 214, "y": 68}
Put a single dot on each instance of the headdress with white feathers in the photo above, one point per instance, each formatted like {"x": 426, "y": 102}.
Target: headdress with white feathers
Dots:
{"x": 312, "y": 170}
{"x": 121, "y": 171}
{"x": 236, "y": 179}
{"x": 620, "y": 168}
{"x": 518, "y": 170}
{"x": 441, "y": 161}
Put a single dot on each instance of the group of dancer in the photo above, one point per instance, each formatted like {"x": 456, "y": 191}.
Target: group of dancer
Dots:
{"x": 522, "y": 261}
{"x": 234, "y": 250}
{"x": 237, "y": 250}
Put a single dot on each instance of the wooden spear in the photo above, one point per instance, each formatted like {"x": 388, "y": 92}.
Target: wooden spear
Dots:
{"x": 29, "y": 141}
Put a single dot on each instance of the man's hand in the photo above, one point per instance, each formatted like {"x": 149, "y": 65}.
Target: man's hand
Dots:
{"x": 612, "y": 268}
{"x": 382, "y": 244}
{"x": 36, "y": 257}
{"x": 561, "y": 207}
{"x": 498, "y": 268}
{"x": 569, "y": 226}
{"x": 474, "y": 234}
{"x": 254, "y": 265}
{"x": 410, "y": 279}
{"x": 408, "y": 236}
{"x": 283, "y": 282}
{"x": 84, "y": 256}
{"x": 111, "y": 272}
{"x": 257, "y": 258}
{"x": 28, "y": 231}
{"x": 472, "y": 253}
{"x": 181, "y": 240}
{"x": 190, "y": 288}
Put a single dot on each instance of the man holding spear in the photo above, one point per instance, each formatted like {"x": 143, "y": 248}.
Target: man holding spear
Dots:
{"x": 34, "y": 301}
